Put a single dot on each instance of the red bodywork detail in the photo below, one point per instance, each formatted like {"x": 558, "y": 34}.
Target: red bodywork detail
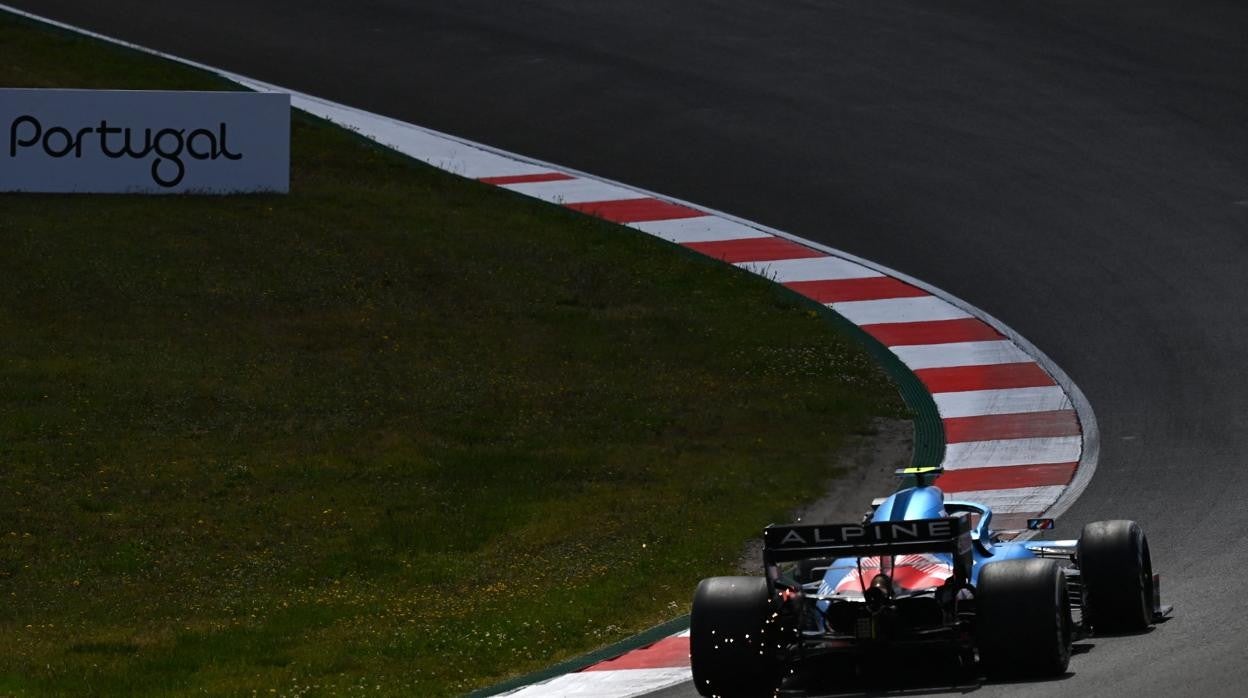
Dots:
{"x": 1011, "y": 426}
{"x": 636, "y": 210}
{"x": 865, "y": 289}
{"x": 910, "y": 573}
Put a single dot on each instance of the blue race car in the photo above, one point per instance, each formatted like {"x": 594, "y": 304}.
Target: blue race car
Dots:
{"x": 919, "y": 571}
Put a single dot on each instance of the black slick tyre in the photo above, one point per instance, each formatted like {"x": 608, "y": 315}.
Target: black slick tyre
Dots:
{"x": 1117, "y": 573}
{"x": 732, "y": 639}
{"x": 1022, "y": 619}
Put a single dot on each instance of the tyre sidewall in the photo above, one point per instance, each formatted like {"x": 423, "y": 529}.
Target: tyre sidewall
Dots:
{"x": 1116, "y": 570}
{"x": 732, "y": 638}
{"x": 1022, "y": 619}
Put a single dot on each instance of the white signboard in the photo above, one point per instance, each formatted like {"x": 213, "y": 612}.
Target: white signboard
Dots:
{"x": 97, "y": 141}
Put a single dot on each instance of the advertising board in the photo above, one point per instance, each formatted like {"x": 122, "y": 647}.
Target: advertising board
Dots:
{"x": 143, "y": 142}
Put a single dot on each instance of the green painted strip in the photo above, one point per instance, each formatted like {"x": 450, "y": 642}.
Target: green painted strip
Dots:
{"x": 624, "y": 646}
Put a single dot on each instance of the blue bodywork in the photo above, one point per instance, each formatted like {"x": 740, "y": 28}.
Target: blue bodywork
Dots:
{"x": 928, "y": 502}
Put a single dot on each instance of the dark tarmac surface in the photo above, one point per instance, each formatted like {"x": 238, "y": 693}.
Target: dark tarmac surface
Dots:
{"x": 1077, "y": 169}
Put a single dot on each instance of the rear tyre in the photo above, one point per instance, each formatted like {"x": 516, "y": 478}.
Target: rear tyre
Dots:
{"x": 1117, "y": 573}
{"x": 732, "y": 639}
{"x": 1022, "y": 619}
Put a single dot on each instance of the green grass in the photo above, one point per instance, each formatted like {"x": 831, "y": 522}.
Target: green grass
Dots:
{"x": 396, "y": 433}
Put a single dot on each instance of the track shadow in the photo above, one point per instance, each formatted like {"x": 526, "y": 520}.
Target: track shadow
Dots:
{"x": 1134, "y": 633}
{"x": 901, "y": 675}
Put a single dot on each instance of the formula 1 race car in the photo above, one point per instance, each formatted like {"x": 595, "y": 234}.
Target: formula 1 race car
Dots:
{"x": 919, "y": 572}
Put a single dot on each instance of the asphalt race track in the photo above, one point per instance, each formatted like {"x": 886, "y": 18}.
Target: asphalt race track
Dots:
{"x": 1077, "y": 168}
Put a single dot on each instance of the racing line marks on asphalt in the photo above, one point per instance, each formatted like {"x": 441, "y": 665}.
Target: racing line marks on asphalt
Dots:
{"x": 1014, "y": 439}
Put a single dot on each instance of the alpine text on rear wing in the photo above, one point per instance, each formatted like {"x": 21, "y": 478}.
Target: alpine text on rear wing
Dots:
{"x": 789, "y": 543}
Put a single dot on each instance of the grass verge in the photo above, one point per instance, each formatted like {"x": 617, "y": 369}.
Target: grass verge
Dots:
{"x": 396, "y": 433}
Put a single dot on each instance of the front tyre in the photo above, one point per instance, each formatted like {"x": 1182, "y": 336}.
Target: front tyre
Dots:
{"x": 1022, "y": 619}
{"x": 1117, "y": 573}
{"x": 730, "y": 628}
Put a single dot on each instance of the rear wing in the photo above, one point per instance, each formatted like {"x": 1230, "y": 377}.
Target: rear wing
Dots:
{"x": 950, "y": 535}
